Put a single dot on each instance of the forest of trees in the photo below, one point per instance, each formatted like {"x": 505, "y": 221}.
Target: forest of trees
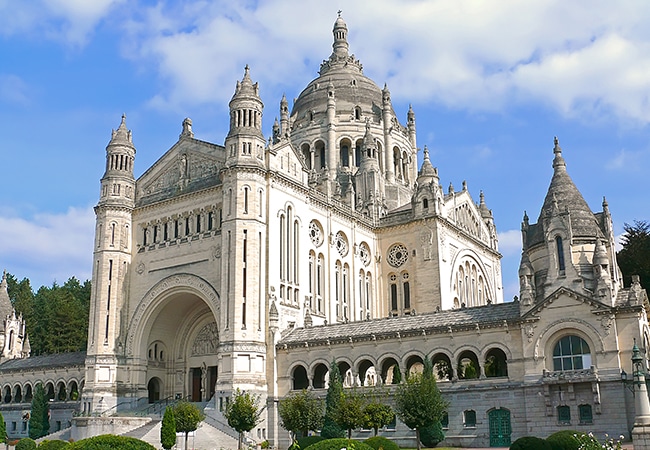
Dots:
{"x": 56, "y": 317}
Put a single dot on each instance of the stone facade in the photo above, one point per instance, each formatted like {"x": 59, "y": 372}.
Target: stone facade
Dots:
{"x": 254, "y": 264}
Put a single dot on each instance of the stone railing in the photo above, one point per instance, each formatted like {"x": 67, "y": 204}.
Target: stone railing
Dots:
{"x": 570, "y": 376}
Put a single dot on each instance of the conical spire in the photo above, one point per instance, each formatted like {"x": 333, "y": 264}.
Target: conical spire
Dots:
{"x": 563, "y": 196}
{"x": 485, "y": 211}
{"x": 427, "y": 173}
{"x": 246, "y": 88}
{"x": 5, "y": 303}
{"x": 121, "y": 136}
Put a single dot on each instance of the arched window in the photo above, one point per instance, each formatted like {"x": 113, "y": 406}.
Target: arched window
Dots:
{"x": 560, "y": 254}
{"x": 571, "y": 353}
{"x": 495, "y": 363}
{"x": 300, "y": 380}
{"x": 469, "y": 418}
{"x": 400, "y": 294}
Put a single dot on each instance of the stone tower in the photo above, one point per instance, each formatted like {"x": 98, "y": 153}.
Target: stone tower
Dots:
{"x": 569, "y": 246}
{"x": 112, "y": 257}
{"x": 243, "y": 285}
{"x": 14, "y": 342}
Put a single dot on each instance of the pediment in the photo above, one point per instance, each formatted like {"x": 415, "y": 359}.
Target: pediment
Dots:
{"x": 568, "y": 297}
{"x": 187, "y": 166}
{"x": 466, "y": 216}
{"x": 288, "y": 161}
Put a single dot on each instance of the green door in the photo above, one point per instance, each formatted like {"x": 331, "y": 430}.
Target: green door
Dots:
{"x": 500, "y": 429}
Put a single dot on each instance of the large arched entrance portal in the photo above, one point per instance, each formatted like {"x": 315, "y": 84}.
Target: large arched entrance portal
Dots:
{"x": 177, "y": 339}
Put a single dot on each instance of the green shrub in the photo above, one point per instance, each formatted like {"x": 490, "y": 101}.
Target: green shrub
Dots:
{"x": 378, "y": 442}
{"x": 110, "y": 442}
{"x": 431, "y": 436}
{"x": 338, "y": 444}
{"x": 306, "y": 441}
{"x": 265, "y": 444}
{"x": 26, "y": 444}
{"x": 52, "y": 445}
{"x": 530, "y": 443}
{"x": 564, "y": 440}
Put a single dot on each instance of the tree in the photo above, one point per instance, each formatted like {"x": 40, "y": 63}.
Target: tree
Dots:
{"x": 187, "y": 417}
{"x": 377, "y": 415}
{"x": 349, "y": 414}
{"x": 634, "y": 257}
{"x": 418, "y": 401}
{"x": 168, "y": 429}
{"x": 397, "y": 374}
{"x": 56, "y": 317}
{"x": 301, "y": 412}
{"x": 331, "y": 429}
{"x": 39, "y": 420}
{"x": 243, "y": 413}
{"x": 3, "y": 430}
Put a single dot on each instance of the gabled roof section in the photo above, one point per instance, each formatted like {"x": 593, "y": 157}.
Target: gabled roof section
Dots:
{"x": 44, "y": 362}
{"x": 189, "y": 165}
{"x": 563, "y": 291}
{"x": 394, "y": 327}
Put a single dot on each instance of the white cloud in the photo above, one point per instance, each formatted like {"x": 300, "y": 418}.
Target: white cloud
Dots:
{"x": 48, "y": 247}
{"x": 472, "y": 55}
{"x": 626, "y": 160}
{"x": 68, "y": 21}
{"x": 510, "y": 242}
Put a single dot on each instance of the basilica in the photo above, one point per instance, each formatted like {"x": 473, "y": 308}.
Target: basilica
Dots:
{"x": 254, "y": 264}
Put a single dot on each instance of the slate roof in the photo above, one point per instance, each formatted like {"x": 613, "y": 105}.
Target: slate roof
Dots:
{"x": 44, "y": 362}
{"x": 466, "y": 318}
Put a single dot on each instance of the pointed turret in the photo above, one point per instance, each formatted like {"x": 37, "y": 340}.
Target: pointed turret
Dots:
{"x": 245, "y": 142}
{"x": 340, "y": 45}
{"x": 564, "y": 197}
{"x": 368, "y": 179}
{"x": 284, "y": 116}
{"x": 6, "y": 307}
{"x": 428, "y": 173}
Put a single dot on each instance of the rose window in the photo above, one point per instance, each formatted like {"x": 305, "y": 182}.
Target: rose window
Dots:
{"x": 364, "y": 253}
{"x": 341, "y": 243}
{"x": 315, "y": 233}
{"x": 397, "y": 255}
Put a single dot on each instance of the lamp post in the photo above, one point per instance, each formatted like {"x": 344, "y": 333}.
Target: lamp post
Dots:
{"x": 641, "y": 402}
{"x": 641, "y": 430}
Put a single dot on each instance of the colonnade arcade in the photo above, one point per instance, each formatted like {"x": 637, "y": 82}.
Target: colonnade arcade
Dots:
{"x": 55, "y": 390}
{"x": 464, "y": 364}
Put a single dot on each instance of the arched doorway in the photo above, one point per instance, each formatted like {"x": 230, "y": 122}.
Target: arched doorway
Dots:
{"x": 154, "y": 387}
{"x": 500, "y": 428}
{"x": 175, "y": 335}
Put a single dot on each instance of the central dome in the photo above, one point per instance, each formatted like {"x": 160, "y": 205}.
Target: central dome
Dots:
{"x": 343, "y": 75}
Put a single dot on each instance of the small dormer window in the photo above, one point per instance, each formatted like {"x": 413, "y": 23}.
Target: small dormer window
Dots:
{"x": 357, "y": 111}
{"x": 425, "y": 203}
{"x": 560, "y": 254}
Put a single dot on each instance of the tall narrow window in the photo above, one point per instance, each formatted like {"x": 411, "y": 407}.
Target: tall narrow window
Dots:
{"x": 282, "y": 244}
{"x": 110, "y": 279}
{"x": 259, "y": 208}
{"x": 198, "y": 223}
{"x": 210, "y": 220}
{"x": 407, "y": 295}
{"x": 112, "y": 234}
{"x": 145, "y": 231}
{"x": 393, "y": 293}
{"x": 165, "y": 231}
{"x": 560, "y": 254}
{"x": 245, "y": 200}
{"x": 296, "y": 251}
{"x": 244, "y": 251}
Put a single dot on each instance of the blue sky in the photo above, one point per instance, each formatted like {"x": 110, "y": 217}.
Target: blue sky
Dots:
{"x": 491, "y": 84}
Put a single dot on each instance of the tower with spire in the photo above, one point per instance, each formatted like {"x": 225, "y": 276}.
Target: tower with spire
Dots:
{"x": 111, "y": 264}
{"x": 570, "y": 246}
{"x": 243, "y": 236}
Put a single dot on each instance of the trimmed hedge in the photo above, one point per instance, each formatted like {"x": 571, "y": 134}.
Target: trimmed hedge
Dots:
{"x": 380, "y": 442}
{"x": 306, "y": 441}
{"x": 52, "y": 445}
{"x": 564, "y": 440}
{"x": 338, "y": 444}
{"x": 26, "y": 444}
{"x": 110, "y": 442}
{"x": 530, "y": 443}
